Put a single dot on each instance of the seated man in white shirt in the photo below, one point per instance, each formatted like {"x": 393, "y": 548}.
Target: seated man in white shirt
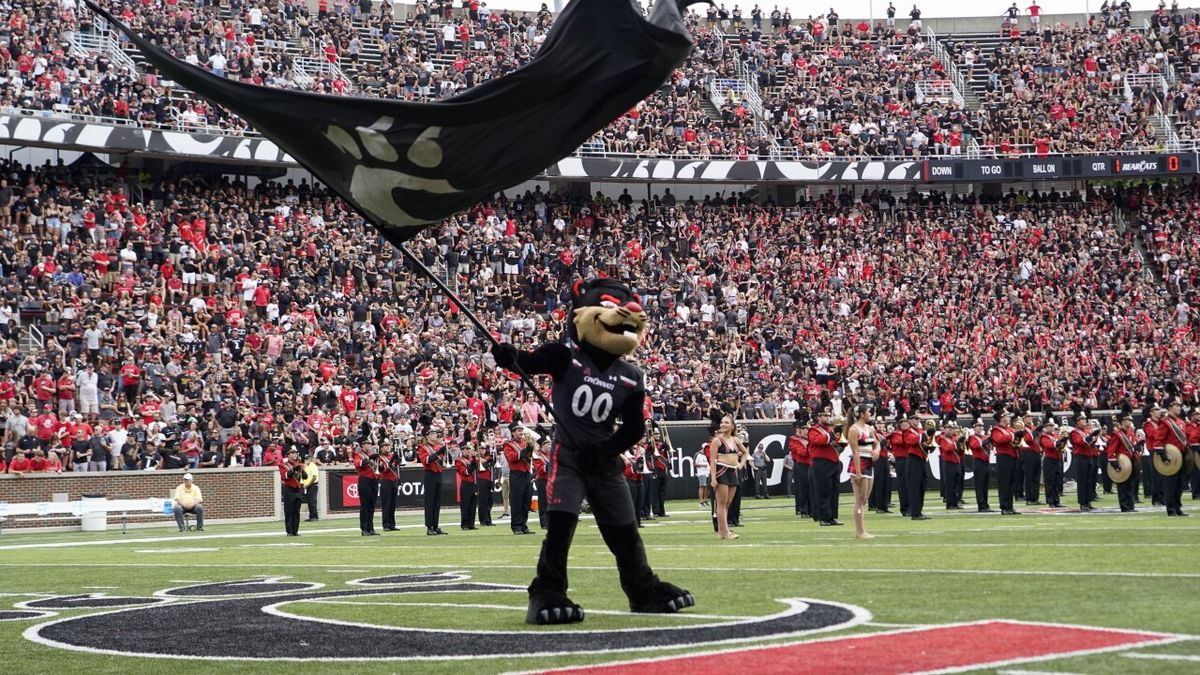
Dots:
{"x": 188, "y": 500}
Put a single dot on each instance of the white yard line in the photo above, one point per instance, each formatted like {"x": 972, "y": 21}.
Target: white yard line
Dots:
{"x": 1165, "y": 657}
{"x": 609, "y": 568}
{"x": 522, "y": 608}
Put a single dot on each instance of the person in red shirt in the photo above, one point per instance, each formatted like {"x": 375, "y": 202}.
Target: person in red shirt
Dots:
{"x": 950, "y": 453}
{"x": 519, "y": 453}
{"x": 1052, "y": 443}
{"x": 46, "y": 427}
{"x": 797, "y": 446}
{"x": 1005, "y": 439}
{"x": 1192, "y": 428}
{"x": 292, "y": 476}
{"x": 635, "y": 459}
{"x": 1176, "y": 434}
{"x": 916, "y": 473}
{"x": 541, "y": 457}
{"x": 826, "y": 468}
{"x": 1083, "y": 440}
{"x": 66, "y": 394}
{"x": 433, "y": 460}
{"x": 485, "y": 460}
{"x": 465, "y": 468}
{"x": 131, "y": 377}
{"x": 1123, "y": 441}
{"x": 389, "y": 475}
{"x": 43, "y": 388}
{"x": 1031, "y": 466}
{"x": 1155, "y": 430}
{"x": 366, "y": 463}
{"x": 898, "y": 441}
{"x": 349, "y": 399}
{"x": 19, "y": 466}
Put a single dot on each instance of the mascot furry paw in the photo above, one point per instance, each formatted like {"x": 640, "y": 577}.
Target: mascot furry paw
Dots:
{"x": 593, "y": 389}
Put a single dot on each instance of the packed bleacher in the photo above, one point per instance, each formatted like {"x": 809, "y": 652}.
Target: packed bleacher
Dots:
{"x": 209, "y": 324}
{"x": 754, "y": 87}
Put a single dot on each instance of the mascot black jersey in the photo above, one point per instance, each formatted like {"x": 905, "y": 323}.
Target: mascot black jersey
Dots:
{"x": 595, "y": 396}
{"x": 594, "y": 389}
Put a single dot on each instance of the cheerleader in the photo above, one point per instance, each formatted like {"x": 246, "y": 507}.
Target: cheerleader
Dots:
{"x": 864, "y": 452}
{"x": 727, "y": 456}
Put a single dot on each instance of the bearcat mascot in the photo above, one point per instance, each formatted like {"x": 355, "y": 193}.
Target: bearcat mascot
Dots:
{"x": 593, "y": 389}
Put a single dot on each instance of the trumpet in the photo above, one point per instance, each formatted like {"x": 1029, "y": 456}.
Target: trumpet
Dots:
{"x": 1019, "y": 433}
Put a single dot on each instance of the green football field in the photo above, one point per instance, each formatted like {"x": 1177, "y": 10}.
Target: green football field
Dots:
{"x": 1139, "y": 572}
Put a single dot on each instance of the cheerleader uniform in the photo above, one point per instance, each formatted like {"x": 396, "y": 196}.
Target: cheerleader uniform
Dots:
{"x": 727, "y": 474}
{"x": 866, "y": 447}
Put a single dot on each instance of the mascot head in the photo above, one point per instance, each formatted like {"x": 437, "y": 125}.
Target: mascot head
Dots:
{"x": 607, "y": 315}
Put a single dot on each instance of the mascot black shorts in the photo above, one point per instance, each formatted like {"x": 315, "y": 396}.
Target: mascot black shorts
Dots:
{"x": 566, "y": 486}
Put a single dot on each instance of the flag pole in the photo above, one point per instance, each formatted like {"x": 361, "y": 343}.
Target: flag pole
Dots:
{"x": 487, "y": 334}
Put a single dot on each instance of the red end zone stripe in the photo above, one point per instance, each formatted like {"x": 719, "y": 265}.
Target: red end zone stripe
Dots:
{"x": 955, "y": 647}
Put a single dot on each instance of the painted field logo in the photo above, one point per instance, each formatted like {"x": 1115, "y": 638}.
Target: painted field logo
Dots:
{"x": 216, "y": 628}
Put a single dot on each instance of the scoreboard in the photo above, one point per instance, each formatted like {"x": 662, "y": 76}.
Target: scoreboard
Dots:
{"x": 1058, "y": 167}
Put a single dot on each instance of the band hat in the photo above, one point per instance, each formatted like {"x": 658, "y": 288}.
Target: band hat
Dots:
{"x": 1123, "y": 471}
{"x": 1173, "y": 463}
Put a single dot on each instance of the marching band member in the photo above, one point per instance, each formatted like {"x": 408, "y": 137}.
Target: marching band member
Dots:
{"x": 366, "y": 464}
{"x": 919, "y": 443}
{"x": 1003, "y": 438}
{"x": 291, "y": 474}
{"x": 1031, "y": 464}
{"x": 801, "y": 470}
{"x": 484, "y": 483}
{"x": 1081, "y": 455}
{"x": 540, "y": 460}
{"x": 1172, "y": 485}
{"x": 1192, "y": 429}
{"x": 949, "y": 450}
{"x": 658, "y": 498}
{"x": 1123, "y": 441}
{"x": 864, "y": 451}
{"x": 1052, "y": 443}
{"x": 881, "y": 489}
{"x": 466, "y": 467}
{"x": 826, "y": 468}
{"x": 432, "y": 457}
{"x": 978, "y": 444}
{"x": 519, "y": 453}
{"x": 389, "y": 475}
{"x": 899, "y": 444}
{"x": 634, "y": 478}
{"x": 1155, "y": 430}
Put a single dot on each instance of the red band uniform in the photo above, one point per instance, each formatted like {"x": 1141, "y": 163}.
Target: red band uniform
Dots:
{"x": 291, "y": 475}
{"x": 431, "y": 459}
{"x": 368, "y": 489}
{"x": 801, "y": 473}
{"x": 466, "y": 467}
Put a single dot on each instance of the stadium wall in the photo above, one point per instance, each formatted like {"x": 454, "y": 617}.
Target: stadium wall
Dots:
{"x": 230, "y": 495}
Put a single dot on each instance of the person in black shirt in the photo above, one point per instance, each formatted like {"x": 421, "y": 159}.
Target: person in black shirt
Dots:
{"x": 211, "y": 458}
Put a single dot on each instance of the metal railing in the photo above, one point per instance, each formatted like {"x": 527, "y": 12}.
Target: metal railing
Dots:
{"x": 948, "y": 64}
{"x": 942, "y": 90}
{"x": 101, "y": 43}
{"x": 34, "y": 338}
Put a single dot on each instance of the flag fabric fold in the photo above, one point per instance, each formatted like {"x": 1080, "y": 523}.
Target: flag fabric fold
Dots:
{"x": 406, "y": 165}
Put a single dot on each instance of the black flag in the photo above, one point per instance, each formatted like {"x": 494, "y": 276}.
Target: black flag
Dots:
{"x": 406, "y": 165}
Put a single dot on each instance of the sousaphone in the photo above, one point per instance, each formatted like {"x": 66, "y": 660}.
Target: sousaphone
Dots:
{"x": 1173, "y": 463}
{"x": 1122, "y": 474}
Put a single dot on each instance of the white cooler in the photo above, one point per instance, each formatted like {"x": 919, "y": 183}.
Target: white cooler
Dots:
{"x": 93, "y": 517}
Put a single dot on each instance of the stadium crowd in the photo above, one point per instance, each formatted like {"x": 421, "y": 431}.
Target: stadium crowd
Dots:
{"x": 209, "y": 324}
{"x": 829, "y": 87}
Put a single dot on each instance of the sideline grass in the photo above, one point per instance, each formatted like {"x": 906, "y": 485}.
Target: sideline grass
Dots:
{"x": 1135, "y": 571}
